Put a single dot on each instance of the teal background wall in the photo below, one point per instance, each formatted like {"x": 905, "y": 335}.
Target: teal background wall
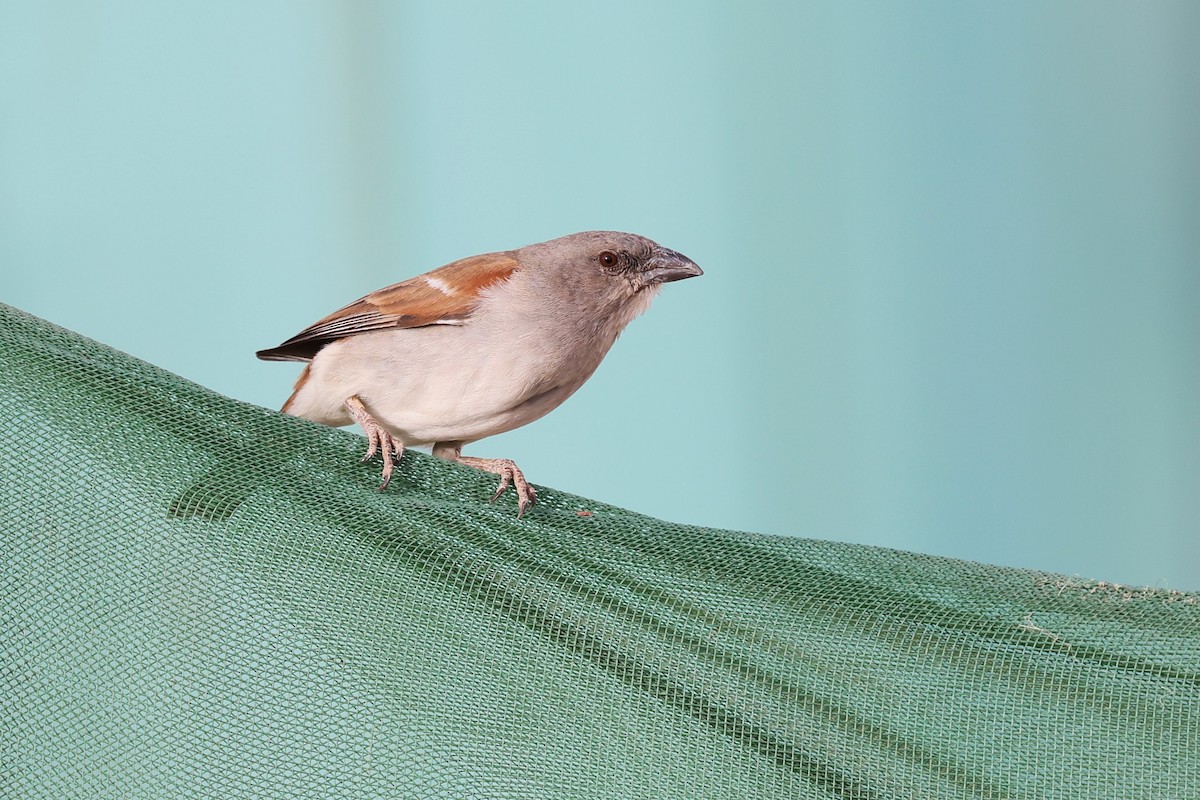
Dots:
{"x": 952, "y": 290}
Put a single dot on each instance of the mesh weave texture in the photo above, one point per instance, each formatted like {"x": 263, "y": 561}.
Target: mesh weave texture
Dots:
{"x": 206, "y": 599}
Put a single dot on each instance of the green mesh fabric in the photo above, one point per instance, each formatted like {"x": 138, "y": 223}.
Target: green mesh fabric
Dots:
{"x": 205, "y": 599}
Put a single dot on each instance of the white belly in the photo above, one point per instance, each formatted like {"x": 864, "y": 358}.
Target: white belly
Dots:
{"x": 444, "y": 383}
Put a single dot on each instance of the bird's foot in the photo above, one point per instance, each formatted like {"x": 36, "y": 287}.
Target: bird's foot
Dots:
{"x": 510, "y": 474}
{"x": 379, "y": 439}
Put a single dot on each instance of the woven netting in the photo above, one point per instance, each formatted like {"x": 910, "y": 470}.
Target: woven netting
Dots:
{"x": 201, "y": 598}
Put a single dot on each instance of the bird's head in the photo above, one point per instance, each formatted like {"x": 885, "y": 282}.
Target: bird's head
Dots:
{"x": 615, "y": 274}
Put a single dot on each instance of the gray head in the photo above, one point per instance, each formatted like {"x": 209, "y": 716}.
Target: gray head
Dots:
{"x": 607, "y": 268}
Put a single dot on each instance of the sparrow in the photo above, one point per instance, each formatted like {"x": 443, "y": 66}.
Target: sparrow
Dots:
{"x": 477, "y": 347}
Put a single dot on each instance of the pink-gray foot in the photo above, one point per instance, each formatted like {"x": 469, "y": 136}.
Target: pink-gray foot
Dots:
{"x": 378, "y": 439}
{"x": 510, "y": 474}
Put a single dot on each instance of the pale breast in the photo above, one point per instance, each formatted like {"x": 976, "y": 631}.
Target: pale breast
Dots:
{"x": 446, "y": 383}
{"x": 502, "y": 368}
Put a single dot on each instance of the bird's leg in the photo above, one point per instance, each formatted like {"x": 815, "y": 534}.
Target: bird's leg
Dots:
{"x": 509, "y": 472}
{"x": 378, "y": 439}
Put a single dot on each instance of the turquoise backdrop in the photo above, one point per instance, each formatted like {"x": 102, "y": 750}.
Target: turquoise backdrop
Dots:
{"x": 952, "y": 250}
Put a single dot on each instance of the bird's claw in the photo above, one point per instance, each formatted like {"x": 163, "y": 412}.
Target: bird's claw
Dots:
{"x": 390, "y": 448}
{"x": 510, "y": 475}
{"x": 505, "y": 480}
{"x": 526, "y": 496}
{"x": 379, "y": 440}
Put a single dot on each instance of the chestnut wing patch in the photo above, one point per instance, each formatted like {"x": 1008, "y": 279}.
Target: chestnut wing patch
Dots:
{"x": 446, "y": 296}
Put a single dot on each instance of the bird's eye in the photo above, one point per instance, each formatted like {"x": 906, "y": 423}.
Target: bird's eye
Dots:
{"x": 608, "y": 259}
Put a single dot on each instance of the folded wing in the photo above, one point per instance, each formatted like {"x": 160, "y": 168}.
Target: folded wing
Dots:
{"x": 446, "y": 296}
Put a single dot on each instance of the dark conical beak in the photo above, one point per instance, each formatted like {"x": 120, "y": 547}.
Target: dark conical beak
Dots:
{"x": 665, "y": 266}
